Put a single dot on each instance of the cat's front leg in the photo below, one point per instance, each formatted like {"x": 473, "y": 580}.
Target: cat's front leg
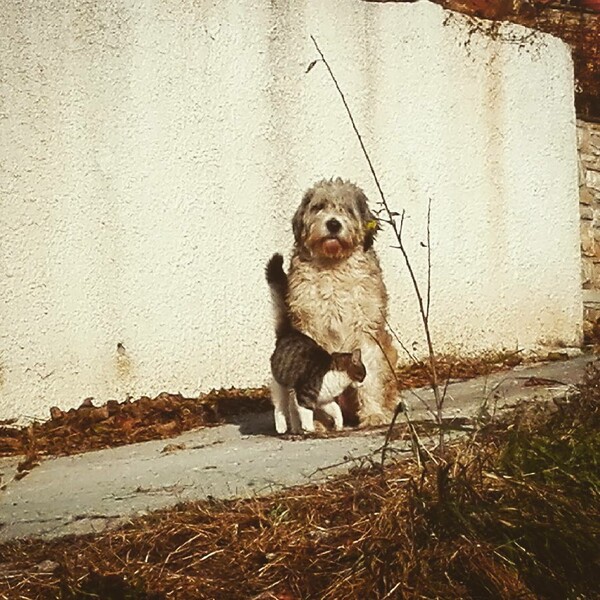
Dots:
{"x": 335, "y": 412}
{"x": 307, "y": 419}
{"x": 280, "y": 397}
{"x": 300, "y": 417}
{"x": 305, "y": 414}
{"x": 281, "y": 425}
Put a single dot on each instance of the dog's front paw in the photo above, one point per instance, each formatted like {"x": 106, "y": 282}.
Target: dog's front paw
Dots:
{"x": 373, "y": 420}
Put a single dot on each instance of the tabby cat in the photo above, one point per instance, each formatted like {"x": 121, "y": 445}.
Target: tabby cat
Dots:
{"x": 300, "y": 364}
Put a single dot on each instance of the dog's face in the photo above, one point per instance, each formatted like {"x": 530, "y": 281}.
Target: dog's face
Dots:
{"x": 333, "y": 220}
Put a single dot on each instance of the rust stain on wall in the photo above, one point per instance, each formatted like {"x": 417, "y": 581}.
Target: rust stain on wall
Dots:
{"x": 493, "y": 109}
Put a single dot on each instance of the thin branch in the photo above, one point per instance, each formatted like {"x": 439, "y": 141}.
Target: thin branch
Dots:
{"x": 391, "y": 218}
{"x": 428, "y": 257}
{"x": 397, "y": 338}
{"x": 399, "y": 230}
{"x": 362, "y": 145}
{"x": 425, "y": 318}
{"x": 409, "y": 390}
{"x": 399, "y": 408}
{"x": 416, "y": 442}
{"x": 447, "y": 382}
{"x": 425, "y": 405}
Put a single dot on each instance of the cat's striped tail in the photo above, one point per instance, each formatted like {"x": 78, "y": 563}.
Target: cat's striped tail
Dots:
{"x": 278, "y": 282}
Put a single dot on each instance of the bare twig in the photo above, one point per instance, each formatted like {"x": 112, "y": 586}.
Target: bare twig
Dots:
{"x": 391, "y": 219}
{"x": 362, "y": 145}
{"x": 412, "y": 357}
{"x": 419, "y": 449}
{"x": 428, "y": 257}
{"x": 447, "y": 383}
{"x": 399, "y": 408}
{"x": 409, "y": 390}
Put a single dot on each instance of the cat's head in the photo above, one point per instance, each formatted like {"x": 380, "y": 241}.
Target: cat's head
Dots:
{"x": 351, "y": 363}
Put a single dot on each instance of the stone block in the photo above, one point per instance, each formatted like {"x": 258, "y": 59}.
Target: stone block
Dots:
{"x": 591, "y": 314}
{"x": 581, "y": 172}
{"x": 590, "y": 161}
{"x": 591, "y": 299}
{"x": 592, "y": 311}
{"x": 595, "y": 276}
{"x": 587, "y": 239}
{"x": 586, "y": 213}
{"x": 588, "y": 138}
{"x": 594, "y": 143}
{"x": 592, "y": 179}
{"x": 591, "y": 327}
{"x": 580, "y": 135}
{"x": 587, "y": 270}
{"x": 583, "y": 136}
{"x": 588, "y": 329}
{"x": 585, "y": 195}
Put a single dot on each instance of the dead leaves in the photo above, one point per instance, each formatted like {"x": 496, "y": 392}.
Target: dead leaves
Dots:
{"x": 115, "y": 423}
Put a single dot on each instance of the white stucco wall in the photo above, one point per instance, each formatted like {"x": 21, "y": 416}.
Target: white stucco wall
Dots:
{"x": 152, "y": 154}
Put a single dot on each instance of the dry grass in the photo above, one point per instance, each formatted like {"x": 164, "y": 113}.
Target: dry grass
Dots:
{"x": 512, "y": 515}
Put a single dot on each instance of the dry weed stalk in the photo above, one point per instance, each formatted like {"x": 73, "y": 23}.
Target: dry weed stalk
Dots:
{"x": 396, "y": 221}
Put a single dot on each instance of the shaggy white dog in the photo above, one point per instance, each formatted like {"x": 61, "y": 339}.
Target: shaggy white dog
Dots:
{"x": 336, "y": 293}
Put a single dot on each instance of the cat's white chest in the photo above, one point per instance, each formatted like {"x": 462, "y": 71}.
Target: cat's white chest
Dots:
{"x": 334, "y": 383}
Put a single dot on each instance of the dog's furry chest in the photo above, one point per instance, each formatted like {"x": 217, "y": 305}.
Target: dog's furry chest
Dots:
{"x": 337, "y": 306}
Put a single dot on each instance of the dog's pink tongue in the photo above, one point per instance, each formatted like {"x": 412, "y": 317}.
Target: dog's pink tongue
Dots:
{"x": 331, "y": 247}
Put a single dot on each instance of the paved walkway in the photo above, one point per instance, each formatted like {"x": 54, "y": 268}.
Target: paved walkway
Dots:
{"x": 92, "y": 491}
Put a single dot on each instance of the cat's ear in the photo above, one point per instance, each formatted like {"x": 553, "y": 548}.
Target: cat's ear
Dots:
{"x": 356, "y": 357}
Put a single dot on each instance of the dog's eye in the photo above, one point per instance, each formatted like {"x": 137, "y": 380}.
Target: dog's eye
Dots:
{"x": 317, "y": 207}
{"x": 351, "y": 213}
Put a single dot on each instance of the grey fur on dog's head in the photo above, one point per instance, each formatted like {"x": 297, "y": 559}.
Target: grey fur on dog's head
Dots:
{"x": 334, "y": 210}
{"x": 336, "y": 294}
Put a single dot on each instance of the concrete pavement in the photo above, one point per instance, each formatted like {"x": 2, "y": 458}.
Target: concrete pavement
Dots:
{"x": 89, "y": 492}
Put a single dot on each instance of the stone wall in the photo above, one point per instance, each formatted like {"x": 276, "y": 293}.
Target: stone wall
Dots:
{"x": 588, "y": 141}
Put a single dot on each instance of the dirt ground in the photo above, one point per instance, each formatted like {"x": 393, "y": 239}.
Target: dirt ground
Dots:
{"x": 512, "y": 511}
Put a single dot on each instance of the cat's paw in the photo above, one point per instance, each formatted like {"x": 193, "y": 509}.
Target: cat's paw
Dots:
{"x": 309, "y": 426}
{"x": 281, "y": 425}
{"x": 306, "y": 419}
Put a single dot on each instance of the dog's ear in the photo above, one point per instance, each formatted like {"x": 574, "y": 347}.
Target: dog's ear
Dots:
{"x": 298, "y": 219}
{"x": 369, "y": 222}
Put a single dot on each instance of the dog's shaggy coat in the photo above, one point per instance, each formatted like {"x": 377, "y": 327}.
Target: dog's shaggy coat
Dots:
{"x": 336, "y": 293}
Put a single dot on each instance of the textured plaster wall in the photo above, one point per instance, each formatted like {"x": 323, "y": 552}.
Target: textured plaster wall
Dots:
{"x": 152, "y": 155}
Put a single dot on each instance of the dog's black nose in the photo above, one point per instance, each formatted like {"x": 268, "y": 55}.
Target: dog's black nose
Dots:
{"x": 333, "y": 226}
